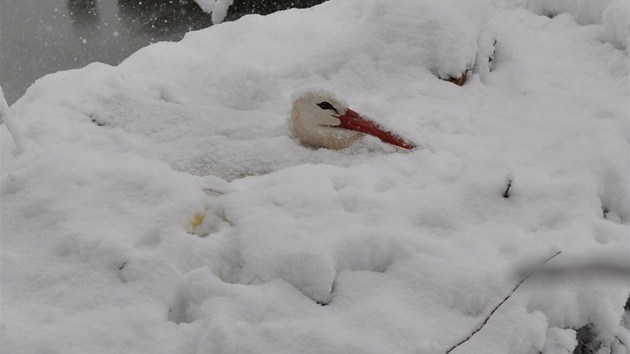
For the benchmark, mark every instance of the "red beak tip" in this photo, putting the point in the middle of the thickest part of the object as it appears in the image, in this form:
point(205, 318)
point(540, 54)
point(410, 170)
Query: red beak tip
point(354, 121)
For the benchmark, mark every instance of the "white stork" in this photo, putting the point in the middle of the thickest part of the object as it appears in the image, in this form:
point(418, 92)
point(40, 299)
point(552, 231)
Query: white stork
point(320, 120)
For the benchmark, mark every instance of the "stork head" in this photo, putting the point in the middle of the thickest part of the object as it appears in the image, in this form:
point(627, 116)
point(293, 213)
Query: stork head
point(319, 119)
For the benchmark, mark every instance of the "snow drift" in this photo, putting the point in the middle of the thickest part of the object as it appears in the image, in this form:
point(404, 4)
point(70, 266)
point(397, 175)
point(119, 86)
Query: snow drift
point(162, 206)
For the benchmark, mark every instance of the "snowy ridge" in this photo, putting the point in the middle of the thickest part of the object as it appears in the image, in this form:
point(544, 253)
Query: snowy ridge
point(614, 15)
point(162, 206)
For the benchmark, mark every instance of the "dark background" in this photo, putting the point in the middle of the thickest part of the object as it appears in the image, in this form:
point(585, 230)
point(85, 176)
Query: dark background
point(38, 37)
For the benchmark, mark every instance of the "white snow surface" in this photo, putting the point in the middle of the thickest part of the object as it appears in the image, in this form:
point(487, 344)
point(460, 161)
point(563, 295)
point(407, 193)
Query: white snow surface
point(613, 14)
point(161, 206)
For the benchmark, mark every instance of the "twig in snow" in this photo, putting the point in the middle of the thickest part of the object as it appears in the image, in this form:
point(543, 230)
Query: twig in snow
point(622, 343)
point(209, 190)
point(251, 281)
point(499, 305)
point(506, 194)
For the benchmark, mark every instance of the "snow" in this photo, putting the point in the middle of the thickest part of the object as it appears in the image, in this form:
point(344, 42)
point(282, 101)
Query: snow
point(218, 8)
point(616, 20)
point(613, 14)
point(162, 206)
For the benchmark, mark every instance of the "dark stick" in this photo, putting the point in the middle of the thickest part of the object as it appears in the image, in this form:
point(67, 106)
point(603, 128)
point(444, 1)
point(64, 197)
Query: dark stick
point(499, 305)
point(622, 343)
point(506, 194)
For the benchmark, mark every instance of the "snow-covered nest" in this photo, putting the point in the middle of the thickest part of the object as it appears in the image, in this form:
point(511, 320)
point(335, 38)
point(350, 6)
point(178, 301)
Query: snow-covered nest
point(161, 206)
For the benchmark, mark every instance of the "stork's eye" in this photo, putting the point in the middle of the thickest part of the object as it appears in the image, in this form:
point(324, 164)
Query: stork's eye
point(326, 105)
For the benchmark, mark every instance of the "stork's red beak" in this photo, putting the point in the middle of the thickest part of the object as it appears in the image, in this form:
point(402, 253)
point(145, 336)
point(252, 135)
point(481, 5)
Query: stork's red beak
point(353, 121)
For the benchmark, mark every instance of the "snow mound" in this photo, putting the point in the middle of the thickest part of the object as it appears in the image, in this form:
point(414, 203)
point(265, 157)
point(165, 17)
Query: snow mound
point(161, 205)
point(616, 20)
point(614, 15)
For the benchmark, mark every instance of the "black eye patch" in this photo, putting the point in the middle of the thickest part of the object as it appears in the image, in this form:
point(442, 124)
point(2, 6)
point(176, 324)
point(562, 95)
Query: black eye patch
point(326, 105)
